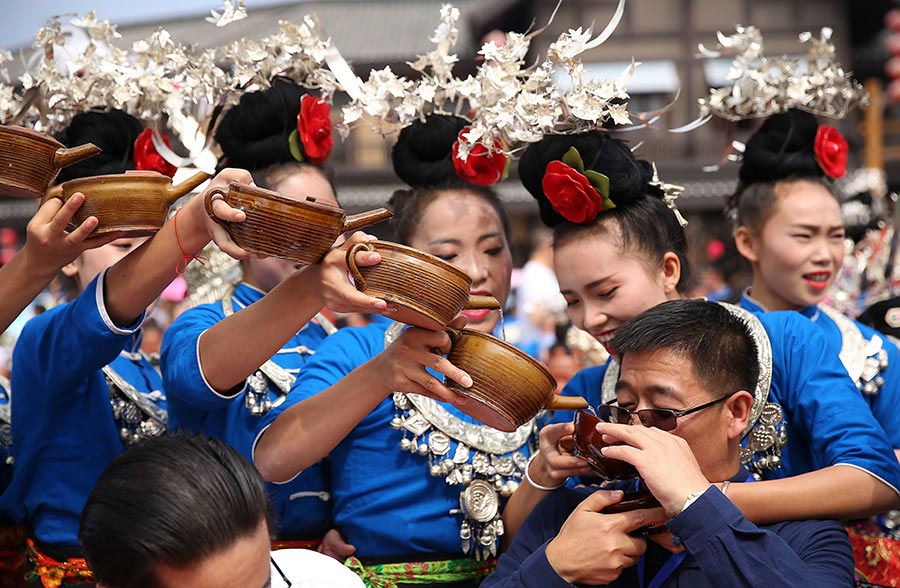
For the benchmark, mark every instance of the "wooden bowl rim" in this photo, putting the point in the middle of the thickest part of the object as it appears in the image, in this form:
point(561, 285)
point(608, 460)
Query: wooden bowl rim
point(517, 352)
point(31, 134)
point(256, 191)
point(109, 180)
point(423, 256)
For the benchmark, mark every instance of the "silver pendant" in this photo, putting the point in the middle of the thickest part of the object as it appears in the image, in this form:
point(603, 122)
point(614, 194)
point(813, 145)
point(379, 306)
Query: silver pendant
point(416, 424)
point(461, 455)
point(480, 501)
point(439, 443)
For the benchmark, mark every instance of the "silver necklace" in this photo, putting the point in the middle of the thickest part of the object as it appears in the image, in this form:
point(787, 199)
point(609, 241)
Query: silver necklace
point(864, 359)
point(487, 465)
point(137, 416)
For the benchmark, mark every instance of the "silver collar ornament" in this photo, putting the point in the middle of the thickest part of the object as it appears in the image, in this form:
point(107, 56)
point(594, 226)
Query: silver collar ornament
point(487, 465)
point(864, 359)
point(136, 415)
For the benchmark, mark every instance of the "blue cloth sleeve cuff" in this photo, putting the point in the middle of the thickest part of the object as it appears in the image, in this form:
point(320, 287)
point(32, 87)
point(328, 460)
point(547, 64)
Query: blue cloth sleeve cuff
point(704, 519)
point(536, 571)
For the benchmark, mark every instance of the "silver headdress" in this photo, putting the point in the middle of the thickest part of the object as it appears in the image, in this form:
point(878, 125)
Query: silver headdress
point(156, 79)
point(507, 103)
point(760, 86)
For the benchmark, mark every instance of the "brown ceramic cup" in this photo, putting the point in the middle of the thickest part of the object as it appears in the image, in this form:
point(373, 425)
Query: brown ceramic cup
point(30, 161)
point(278, 226)
point(135, 203)
point(588, 443)
point(425, 290)
point(509, 387)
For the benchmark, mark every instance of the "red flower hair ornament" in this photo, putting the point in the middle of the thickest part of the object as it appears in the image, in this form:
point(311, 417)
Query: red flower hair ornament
point(312, 141)
point(578, 195)
point(481, 167)
point(831, 149)
point(146, 157)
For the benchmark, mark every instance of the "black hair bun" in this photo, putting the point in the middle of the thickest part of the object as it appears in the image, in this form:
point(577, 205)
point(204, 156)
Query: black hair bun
point(423, 154)
point(629, 177)
point(113, 131)
point(782, 148)
point(254, 133)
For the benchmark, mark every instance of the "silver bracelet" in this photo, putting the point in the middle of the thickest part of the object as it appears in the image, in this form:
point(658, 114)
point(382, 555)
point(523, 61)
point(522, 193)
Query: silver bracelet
point(535, 484)
point(725, 487)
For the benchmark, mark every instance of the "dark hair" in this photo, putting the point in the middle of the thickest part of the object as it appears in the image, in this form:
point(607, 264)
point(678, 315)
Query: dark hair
point(781, 150)
point(643, 222)
point(423, 158)
point(113, 131)
point(254, 135)
point(717, 342)
point(172, 500)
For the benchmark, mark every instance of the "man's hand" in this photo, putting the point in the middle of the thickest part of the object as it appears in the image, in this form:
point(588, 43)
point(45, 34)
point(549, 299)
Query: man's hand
point(593, 548)
point(665, 462)
point(553, 464)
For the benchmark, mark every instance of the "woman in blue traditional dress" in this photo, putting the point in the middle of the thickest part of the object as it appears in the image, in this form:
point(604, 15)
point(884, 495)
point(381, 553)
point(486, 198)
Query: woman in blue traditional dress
point(418, 485)
point(85, 389)
point(225, 364)
point(619, 250)
point(788, 225)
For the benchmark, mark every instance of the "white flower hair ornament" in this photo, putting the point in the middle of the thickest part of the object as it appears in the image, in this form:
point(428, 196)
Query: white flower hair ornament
point(507, 103)
point(759, 87)
point(158, 80)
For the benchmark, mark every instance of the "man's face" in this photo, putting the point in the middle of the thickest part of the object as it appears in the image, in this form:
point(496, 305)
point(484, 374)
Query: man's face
point(245, 564)
point(664, 379)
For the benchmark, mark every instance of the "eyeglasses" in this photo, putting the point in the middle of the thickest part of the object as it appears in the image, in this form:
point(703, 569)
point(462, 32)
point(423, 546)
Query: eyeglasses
point(665, 419)
point(287, 582)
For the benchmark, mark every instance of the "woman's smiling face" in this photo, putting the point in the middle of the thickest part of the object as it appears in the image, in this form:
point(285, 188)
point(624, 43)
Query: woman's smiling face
point(605, 286)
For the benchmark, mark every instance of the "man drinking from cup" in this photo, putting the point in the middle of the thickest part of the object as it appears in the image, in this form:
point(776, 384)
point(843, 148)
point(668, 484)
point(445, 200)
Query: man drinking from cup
point(687, 371)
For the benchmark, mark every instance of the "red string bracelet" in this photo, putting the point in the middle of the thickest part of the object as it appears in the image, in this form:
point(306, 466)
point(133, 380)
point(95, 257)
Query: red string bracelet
point(186, 258)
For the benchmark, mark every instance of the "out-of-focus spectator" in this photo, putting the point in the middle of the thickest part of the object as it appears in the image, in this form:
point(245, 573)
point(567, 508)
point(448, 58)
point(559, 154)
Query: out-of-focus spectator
point(721, 277)
point(892, 67)
point(562, 364)
point(539, 305)
point(135, 530)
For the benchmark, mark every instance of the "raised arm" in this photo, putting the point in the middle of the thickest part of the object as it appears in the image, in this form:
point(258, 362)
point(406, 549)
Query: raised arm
point(840, 492)
point(308, 426)
point(48, 247)
point(138, 279)
point(264, 327)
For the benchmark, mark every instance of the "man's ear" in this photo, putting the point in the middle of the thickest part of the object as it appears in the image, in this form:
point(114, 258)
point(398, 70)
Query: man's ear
point(746, 244)
point(739, 407)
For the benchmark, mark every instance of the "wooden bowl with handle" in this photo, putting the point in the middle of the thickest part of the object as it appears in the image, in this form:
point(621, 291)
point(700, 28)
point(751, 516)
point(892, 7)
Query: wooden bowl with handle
point(135, 203)
point(425, 290)
point(30, 161)
point(509, 386)
point(278, 226)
